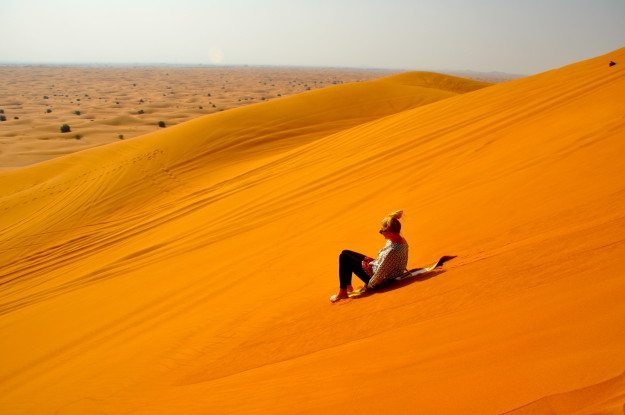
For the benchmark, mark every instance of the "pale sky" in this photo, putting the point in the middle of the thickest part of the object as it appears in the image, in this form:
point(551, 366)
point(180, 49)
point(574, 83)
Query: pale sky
point(515, 36)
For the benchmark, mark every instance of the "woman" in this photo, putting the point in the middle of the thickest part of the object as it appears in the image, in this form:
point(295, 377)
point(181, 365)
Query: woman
point(391, 261)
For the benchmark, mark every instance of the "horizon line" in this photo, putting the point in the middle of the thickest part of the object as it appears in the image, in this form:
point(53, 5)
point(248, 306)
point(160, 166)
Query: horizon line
point(242, 65)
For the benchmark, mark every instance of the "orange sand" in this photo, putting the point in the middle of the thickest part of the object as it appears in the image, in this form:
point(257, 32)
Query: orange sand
point(188, 270)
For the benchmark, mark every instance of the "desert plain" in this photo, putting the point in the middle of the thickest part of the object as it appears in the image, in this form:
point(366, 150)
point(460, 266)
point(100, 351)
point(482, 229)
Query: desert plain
point(187, 269)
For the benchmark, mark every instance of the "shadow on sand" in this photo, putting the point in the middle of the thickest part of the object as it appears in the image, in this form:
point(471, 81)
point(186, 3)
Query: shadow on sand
point(394, 285)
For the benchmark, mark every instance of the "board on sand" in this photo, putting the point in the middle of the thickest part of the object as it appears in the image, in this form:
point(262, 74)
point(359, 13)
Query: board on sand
point(410, 273)
point(419, 271)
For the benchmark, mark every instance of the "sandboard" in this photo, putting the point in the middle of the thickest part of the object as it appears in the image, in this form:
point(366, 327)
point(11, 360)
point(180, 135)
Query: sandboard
point(419, 271)
point(409, 274)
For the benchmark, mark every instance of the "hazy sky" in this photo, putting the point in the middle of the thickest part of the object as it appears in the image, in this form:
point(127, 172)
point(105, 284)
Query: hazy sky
point(523, 36)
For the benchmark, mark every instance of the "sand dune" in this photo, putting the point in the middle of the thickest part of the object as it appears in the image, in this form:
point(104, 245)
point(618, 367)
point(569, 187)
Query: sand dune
point(37, 100)
point(188, 270)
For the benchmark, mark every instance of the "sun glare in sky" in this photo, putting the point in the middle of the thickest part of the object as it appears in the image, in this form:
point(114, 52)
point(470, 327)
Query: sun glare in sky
point(216, 55)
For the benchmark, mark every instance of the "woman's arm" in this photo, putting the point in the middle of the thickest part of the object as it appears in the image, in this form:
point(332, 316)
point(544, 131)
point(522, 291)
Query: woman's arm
point(366, 265)
point(383, 270)
point(392, 265)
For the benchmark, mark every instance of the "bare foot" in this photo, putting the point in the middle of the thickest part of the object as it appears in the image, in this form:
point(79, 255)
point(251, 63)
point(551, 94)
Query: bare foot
point(339, 296)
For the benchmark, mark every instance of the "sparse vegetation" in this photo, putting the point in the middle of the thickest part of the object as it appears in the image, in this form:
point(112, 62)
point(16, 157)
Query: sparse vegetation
point(16, 118)
point(161, 124)
point(120, 136)
point(1, 111)
point(48, 111)
point(65, 128)
point(3, 118)
point(140, 112)
point(46, 97)
point(201, 107)
point(77, 112)
point(141, 101)
point(78, 136)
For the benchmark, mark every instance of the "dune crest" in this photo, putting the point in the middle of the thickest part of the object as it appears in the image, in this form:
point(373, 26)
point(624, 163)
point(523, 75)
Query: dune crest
point(437, 81)
point(188, 271)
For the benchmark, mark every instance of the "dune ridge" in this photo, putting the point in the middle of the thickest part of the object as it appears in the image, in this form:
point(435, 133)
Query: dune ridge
point(37, 100)
point(188, 270)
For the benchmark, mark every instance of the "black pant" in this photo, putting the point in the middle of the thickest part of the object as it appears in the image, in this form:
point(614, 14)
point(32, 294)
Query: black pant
point(351, 262)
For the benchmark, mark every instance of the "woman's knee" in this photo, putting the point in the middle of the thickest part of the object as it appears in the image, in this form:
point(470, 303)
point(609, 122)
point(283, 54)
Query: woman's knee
point(346, 257)
point(343, 256)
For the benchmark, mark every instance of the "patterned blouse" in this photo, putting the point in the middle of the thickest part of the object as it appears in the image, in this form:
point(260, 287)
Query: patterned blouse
point(391, 262)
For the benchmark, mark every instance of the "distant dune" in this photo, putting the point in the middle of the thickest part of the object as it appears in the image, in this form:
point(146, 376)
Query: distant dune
point(493, 76)
point(125, 102)
point(188, 270)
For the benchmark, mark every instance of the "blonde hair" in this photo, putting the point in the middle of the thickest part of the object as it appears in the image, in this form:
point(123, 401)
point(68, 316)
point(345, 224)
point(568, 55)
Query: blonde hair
point(391, 222)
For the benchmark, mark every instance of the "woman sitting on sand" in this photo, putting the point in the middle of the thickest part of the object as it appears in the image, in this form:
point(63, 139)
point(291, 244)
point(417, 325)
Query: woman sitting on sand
point(391, 261)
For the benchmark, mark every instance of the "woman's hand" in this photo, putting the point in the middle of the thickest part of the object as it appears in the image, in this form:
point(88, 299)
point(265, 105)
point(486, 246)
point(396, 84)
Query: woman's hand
point(366, 265)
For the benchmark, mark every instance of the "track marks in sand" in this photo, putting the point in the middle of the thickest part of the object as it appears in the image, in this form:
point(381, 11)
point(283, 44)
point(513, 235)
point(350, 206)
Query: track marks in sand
point(604, 397)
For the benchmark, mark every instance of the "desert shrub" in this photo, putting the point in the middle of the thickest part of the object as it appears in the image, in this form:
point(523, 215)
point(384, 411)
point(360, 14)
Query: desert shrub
point(65, 128)
point(141, 100)
point(3, 118)
point(16, 118)
point(140, 112)
point(48, 111)
point(1, 111)
point(120, 136)
point(77, 112)
point(201, 107)
point(78, 136)
point(46, 97)
point(161, 124)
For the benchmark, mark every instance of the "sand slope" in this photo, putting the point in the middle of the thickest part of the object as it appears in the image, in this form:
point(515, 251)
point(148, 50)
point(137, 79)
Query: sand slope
point(187, 271)
point(124, 102)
